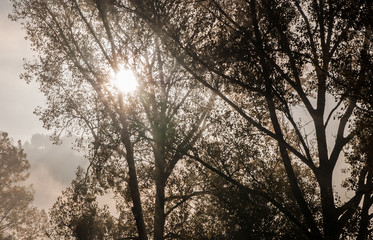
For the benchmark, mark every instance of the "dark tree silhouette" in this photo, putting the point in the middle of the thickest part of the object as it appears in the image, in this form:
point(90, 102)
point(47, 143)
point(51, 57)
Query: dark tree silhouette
point(145, 132)
point(296, 75)
point(305, 63)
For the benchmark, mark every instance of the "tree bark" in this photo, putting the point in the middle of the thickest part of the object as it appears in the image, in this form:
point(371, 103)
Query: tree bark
point(133, 180)
point(135, 195)
point(329, 211)
point(159, 215)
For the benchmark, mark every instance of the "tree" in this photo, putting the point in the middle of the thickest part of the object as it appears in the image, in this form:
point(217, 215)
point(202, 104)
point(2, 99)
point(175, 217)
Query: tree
point(256, 178)
point(126, 134)
point(297, 60)
point(290, 70)
point(76, 214)
point(18, 218)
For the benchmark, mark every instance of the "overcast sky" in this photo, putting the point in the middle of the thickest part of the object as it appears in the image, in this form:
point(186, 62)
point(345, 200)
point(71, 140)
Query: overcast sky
point(17, 99)
point(53, 169)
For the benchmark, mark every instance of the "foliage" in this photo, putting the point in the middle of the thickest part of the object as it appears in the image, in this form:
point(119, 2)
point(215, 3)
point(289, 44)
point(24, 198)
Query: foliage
point(76, 214)
point(134, 141)
point(18, 218)
point(293, 81)
point(304, 64)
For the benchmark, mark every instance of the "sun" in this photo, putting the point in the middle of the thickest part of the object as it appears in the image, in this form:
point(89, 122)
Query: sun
point(125, 80)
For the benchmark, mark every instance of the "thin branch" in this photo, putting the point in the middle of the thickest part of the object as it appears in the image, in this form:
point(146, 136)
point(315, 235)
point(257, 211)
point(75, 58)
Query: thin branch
point(334, 109)
point(254, 192)
point(341, 141)
point(184, 199)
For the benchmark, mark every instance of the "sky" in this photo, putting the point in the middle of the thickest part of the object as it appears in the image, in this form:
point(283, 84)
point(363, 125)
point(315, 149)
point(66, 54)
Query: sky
point(17, 98)
point(53, 168)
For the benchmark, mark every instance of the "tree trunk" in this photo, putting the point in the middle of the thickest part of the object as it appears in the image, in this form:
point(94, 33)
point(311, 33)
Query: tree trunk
point(134, 186)
point(136, 200)
point(364, 221)
point(159, 154)
point(159, 215)
point(367, 203)
point(329, 211)
point(160, 183)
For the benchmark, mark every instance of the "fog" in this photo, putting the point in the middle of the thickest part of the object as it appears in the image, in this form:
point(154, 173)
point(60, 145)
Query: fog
point(52, 167)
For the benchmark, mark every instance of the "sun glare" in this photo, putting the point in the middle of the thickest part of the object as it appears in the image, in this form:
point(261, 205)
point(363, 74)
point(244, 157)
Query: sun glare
point(125, 81)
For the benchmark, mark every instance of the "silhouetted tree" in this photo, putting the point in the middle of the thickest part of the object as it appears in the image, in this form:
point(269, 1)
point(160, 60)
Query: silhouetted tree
point(18, 218)
point(146, 132)
point(294, 73)
point(304, 63)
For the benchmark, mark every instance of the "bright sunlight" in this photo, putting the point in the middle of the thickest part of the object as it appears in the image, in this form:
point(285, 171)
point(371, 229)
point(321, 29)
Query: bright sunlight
point(125, 81)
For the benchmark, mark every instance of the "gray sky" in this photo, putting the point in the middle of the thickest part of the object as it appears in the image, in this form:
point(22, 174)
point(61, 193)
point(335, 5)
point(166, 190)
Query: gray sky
point(53, 168)
point(17, 99)
point(50, 174)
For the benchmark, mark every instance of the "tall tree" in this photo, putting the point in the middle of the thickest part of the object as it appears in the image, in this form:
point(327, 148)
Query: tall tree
point(291, 59)
point(82, 44)
point(291, 70)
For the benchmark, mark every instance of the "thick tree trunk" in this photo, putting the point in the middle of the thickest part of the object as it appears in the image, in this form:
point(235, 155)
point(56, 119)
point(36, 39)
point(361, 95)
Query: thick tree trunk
point(159, 215)
point(324, 173)
point(135, 195)
point(133, 183)
point(159, 154)
point(329, 211)
point(160, 183)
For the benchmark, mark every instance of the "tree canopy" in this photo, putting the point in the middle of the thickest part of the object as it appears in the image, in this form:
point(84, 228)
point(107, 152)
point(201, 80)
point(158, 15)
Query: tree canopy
point(244, 109)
